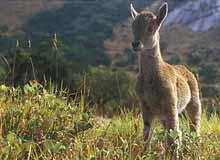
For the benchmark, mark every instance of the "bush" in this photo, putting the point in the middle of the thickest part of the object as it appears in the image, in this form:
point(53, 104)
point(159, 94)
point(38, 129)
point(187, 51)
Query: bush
point(209, 74)
point(108, 89)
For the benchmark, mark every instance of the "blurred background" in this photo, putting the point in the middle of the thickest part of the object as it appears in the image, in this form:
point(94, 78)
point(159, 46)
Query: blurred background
point(87, 44)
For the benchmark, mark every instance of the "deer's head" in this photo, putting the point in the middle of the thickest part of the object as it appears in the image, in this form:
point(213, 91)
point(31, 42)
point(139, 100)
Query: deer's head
point(146, 26)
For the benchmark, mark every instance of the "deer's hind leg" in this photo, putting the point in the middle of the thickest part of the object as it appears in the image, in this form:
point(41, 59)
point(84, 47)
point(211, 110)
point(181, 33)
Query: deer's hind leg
point(194, 113)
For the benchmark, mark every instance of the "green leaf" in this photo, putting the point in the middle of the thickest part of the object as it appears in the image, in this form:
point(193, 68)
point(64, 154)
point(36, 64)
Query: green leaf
point(11, 138)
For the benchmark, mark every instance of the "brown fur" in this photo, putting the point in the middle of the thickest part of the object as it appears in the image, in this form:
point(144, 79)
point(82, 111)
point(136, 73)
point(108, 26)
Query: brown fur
point(165, 90)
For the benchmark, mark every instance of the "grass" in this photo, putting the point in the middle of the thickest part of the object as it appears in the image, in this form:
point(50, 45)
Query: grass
point(35, 124)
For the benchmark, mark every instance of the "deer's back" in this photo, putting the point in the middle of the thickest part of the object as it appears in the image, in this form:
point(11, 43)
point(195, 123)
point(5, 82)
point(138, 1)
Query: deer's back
point(190, 78)
point(172, 83)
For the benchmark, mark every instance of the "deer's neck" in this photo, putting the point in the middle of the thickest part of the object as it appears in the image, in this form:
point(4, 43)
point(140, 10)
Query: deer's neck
point(150, 62)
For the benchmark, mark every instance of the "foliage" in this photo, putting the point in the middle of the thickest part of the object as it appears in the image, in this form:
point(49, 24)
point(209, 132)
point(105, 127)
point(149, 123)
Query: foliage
point(42, 63)
point(175, 59)
point(104, 86)
point(206, 65)
point(209, 73)
point(34, 121)
point(83, 26)
point(108, 88)
point(3, 28)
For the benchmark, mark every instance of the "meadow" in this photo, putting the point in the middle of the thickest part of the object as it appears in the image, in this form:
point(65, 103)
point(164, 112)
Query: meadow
point(40, 123)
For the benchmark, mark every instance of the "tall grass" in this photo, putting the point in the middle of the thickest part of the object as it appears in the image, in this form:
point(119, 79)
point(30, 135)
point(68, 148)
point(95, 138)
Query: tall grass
point(36, 123)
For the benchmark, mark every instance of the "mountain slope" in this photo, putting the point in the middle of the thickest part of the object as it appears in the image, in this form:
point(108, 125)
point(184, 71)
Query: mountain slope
point(199, 15)
point(82, 25)
point(15, 13)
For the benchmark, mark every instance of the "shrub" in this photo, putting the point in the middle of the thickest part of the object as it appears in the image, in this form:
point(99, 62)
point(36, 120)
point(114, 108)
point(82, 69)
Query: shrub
point(108, 88)
point(209, 74)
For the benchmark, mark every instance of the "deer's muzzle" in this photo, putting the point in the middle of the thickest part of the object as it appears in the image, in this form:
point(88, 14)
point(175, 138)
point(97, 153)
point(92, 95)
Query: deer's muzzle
point(137, 45)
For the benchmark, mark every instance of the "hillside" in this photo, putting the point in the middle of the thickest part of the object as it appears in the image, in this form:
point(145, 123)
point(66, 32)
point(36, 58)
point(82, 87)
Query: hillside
point(15, 13)
point(198, 15)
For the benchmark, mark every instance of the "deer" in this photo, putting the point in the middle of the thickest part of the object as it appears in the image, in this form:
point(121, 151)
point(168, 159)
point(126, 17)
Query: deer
point(164, 90)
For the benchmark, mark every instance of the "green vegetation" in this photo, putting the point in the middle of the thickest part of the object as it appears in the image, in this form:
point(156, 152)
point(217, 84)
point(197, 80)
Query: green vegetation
point(103, 87)
point(86, 109)
point(108, 90)
point(38, 123)
point(35, 122)
point(83, 26)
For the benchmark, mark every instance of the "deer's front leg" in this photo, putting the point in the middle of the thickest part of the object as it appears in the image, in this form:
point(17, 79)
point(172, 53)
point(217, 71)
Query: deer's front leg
point(172, 126)
point(147, 119)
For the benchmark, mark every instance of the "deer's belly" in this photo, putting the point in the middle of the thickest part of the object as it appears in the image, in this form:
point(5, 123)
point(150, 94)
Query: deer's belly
point(183, 94)
point(153, 96)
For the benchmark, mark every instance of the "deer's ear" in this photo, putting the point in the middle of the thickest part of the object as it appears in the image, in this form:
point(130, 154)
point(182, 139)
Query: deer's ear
point(134, 13)
point(162, 14)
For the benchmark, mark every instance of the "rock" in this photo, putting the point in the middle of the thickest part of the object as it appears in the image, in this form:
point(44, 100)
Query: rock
point(199, 15)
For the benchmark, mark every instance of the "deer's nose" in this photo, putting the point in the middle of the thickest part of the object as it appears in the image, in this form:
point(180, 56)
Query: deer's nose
point(136, 44)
